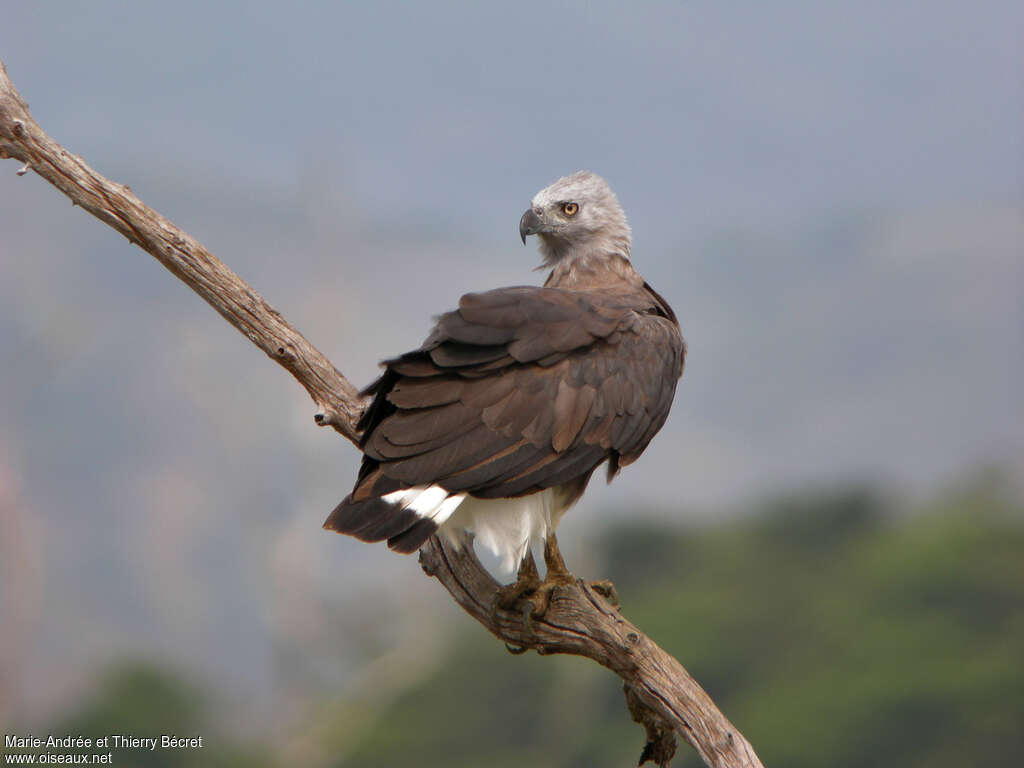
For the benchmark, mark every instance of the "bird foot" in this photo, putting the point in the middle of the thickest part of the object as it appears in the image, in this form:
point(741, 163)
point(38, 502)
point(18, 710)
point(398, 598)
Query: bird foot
point(531, 599)
point(533, 596)
point(509, 596)
point(605, 589)
point(540, 597)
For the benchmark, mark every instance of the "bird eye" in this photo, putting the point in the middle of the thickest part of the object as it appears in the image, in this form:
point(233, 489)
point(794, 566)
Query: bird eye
point(570, 209)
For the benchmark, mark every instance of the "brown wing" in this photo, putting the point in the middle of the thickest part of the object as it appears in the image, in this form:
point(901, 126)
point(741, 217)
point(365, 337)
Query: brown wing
point(522, 389)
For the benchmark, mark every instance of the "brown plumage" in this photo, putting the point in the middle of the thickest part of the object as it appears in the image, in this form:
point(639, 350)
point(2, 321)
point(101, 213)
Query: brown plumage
point(517, 391)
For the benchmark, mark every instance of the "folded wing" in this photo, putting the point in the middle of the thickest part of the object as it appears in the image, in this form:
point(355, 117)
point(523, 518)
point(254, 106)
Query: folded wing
point(518, 390)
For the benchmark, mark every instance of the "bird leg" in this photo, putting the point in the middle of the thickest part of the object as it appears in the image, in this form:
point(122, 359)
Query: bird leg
point(556, 570)
point(559, 574)
point(527, 581)
point(511, 595)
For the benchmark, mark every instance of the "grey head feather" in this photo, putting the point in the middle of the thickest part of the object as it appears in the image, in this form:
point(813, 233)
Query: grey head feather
point(578, 220)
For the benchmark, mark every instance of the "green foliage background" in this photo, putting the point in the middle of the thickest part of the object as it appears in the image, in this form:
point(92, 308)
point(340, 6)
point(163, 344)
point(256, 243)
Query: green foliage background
point(835, 630)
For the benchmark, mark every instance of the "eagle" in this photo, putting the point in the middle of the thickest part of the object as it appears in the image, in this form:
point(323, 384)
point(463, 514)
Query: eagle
point(494, 426)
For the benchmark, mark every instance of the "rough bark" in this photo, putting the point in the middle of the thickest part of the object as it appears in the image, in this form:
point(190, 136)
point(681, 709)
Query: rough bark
point(660, 693)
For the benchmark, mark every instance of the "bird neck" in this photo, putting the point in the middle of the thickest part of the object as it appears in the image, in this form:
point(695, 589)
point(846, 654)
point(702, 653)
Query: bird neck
point(599, 260)
point(593, 270)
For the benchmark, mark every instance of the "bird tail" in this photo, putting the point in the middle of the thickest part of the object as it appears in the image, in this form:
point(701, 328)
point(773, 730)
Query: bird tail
point(405, 518)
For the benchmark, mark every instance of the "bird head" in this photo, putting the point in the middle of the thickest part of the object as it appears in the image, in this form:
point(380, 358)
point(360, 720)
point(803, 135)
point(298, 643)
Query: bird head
point(578, 215)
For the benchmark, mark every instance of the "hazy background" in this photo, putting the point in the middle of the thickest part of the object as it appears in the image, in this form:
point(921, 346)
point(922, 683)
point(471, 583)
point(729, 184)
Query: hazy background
point(830, 197)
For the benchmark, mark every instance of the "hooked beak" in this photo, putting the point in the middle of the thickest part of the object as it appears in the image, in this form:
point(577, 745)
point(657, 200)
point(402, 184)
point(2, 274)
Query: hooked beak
point(530, 224)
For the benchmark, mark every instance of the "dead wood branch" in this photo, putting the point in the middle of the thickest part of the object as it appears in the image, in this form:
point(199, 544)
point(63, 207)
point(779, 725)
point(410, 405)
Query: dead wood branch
point(661, 695)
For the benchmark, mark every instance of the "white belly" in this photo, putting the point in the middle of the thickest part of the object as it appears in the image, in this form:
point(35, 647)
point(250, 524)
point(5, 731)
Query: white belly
point(506, 527)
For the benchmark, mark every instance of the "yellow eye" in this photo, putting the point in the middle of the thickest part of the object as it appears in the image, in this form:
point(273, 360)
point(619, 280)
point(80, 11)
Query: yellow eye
point(570, 209)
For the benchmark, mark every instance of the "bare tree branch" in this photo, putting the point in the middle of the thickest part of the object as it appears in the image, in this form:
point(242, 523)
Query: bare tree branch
point(660, 693)
point(338, 402)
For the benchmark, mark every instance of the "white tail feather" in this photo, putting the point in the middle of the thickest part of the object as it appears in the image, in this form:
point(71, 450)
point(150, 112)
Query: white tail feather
point(429, 502)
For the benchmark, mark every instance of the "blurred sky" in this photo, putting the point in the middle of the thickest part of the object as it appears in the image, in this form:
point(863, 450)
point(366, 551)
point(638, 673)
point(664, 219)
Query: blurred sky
point(830, 196)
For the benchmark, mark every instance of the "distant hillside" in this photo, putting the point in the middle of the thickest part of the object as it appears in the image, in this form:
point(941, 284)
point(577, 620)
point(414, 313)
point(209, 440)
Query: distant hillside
point(837, 630)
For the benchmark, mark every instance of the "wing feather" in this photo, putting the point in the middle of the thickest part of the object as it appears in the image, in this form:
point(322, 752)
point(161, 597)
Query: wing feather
point(411, 393)
point(408, 427)
point(522, 389)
